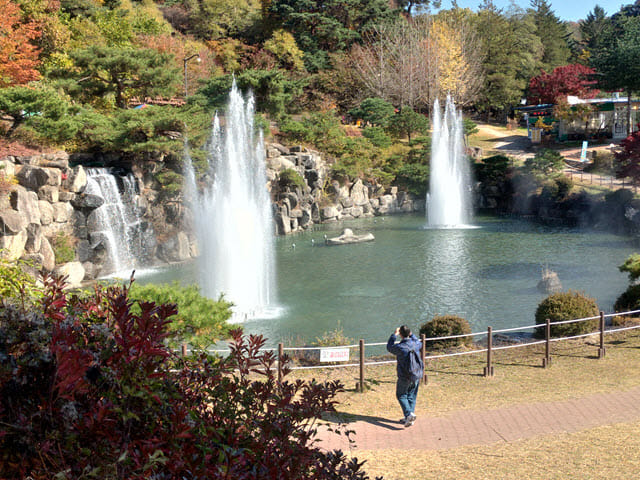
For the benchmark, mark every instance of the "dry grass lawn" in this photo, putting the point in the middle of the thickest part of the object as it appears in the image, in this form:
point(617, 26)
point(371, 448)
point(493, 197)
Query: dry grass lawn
point(609, 452)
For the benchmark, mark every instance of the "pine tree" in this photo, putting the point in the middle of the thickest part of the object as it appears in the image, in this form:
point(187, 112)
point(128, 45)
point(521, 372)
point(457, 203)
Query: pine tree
point(552, 33)
point(511, 53)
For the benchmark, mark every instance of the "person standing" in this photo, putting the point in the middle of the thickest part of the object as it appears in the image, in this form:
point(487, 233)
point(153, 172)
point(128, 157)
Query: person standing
point(410, 368)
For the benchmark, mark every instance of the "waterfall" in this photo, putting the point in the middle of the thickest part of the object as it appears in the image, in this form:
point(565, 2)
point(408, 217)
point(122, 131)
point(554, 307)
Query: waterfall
point(116, 223)
point(233, 215)
point(448, 200)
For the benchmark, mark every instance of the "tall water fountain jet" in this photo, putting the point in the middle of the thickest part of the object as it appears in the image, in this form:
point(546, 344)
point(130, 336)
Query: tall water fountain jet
point(232, 216)
point(448, 200)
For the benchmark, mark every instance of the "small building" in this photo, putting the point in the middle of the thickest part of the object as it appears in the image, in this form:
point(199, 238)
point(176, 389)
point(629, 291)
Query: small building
point(608, 118)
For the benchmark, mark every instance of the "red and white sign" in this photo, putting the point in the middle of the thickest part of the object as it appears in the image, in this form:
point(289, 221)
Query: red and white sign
point(334, 355)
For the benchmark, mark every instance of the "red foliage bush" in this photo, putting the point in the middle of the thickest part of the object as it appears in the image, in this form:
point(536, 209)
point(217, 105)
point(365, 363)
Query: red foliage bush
point(89, 389)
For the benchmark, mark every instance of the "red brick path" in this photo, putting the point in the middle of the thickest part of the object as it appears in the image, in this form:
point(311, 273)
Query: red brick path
point(472, 427)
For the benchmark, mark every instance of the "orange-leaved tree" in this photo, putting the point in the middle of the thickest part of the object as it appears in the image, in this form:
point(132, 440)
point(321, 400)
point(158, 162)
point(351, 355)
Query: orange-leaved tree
point(18, 53)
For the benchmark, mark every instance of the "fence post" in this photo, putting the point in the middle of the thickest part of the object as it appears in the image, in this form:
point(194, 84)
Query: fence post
point(184, 349)
point(488, 370)
point(601, 350)
point(280, 355)
point(361, 382)
point(423, 354)
point(546, 361)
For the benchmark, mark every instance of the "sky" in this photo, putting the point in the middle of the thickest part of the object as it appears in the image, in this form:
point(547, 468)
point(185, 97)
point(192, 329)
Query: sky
point(571, 10)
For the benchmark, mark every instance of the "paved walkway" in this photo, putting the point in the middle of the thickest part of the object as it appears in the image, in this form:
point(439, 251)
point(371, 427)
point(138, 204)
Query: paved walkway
point(474, 427)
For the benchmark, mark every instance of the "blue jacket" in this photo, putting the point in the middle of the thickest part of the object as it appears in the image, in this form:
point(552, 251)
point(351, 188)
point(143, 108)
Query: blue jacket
point(401, 351)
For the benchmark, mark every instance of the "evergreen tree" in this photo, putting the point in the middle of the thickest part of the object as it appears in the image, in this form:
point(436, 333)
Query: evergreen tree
point(511, 53)
point(552, 33)
point(593, 28)
point(124, 72)
point(616, 57)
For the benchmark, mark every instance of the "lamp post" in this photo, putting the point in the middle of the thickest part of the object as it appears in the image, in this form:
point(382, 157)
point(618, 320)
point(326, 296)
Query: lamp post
point(185, 60)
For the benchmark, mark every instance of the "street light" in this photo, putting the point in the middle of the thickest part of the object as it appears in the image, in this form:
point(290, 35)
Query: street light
point(185, 60)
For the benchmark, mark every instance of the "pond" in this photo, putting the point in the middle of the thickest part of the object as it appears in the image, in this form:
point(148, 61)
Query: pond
point(487, 274)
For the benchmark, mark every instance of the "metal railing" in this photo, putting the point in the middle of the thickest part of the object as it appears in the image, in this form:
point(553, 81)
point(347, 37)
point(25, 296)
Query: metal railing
point(489, 350)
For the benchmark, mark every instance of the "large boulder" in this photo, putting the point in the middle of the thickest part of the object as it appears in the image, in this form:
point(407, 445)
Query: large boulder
point(34, 238)
point(74, 271)
point(62, 211)
point(26, 203)
point(12, 222)
point(13, 245)
point(46, 212)
point(359, 193)
point(48, 255)
point(7, 167)
point(176, 248)
point(329, 213)
point(35, 177)
point(87, 200)
point(49, 193)
point(76, 180)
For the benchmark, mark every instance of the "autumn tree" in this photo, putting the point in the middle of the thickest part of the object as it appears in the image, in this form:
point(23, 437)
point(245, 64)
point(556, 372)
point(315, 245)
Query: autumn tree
point(573, 79)
point(413, 63)
point(323, 26)
point(457, 56)
point(629, 158)
point(18, 51)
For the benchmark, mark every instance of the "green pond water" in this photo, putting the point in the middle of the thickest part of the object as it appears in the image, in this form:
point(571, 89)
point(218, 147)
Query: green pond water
point(487, 274)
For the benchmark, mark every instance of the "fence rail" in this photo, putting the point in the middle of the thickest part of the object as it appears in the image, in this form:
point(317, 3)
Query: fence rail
point(490, 333)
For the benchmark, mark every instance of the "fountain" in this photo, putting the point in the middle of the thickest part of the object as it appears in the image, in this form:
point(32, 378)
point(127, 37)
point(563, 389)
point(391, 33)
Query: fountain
point(448, 202)
point(232, 216)
point(116, 223)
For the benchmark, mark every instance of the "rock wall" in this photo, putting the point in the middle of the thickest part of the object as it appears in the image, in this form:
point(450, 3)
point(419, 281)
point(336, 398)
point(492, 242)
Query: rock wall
point(48, 199)
point(320, 201)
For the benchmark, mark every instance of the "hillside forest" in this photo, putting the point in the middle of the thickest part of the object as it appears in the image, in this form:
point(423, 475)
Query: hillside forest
point(355, 79)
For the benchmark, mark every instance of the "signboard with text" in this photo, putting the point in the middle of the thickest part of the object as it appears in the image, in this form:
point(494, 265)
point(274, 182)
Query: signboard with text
point(334, 355)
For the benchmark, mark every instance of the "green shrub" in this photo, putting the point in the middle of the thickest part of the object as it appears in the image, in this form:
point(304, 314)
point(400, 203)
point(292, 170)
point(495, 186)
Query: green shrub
point(200, 321)
point(377, 137)
point(444, 326)
point(628, 300)
point(16, 285)
point(332, 338)
point(63, 248)
point(545, 162)
point(170, 182)
point(414, 177)
point(564, 186)
point(567, 306)
point(291, 179)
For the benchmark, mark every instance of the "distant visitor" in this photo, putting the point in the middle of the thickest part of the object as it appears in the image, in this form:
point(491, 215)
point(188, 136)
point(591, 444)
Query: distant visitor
point(410, 369)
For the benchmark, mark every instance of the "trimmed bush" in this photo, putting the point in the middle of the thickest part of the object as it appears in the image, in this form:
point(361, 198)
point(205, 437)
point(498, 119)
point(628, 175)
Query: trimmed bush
point(628, 300)
point(569, 305)
point(444, 326)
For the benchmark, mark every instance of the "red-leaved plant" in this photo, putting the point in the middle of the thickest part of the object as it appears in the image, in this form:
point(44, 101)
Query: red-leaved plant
point(89, 389)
